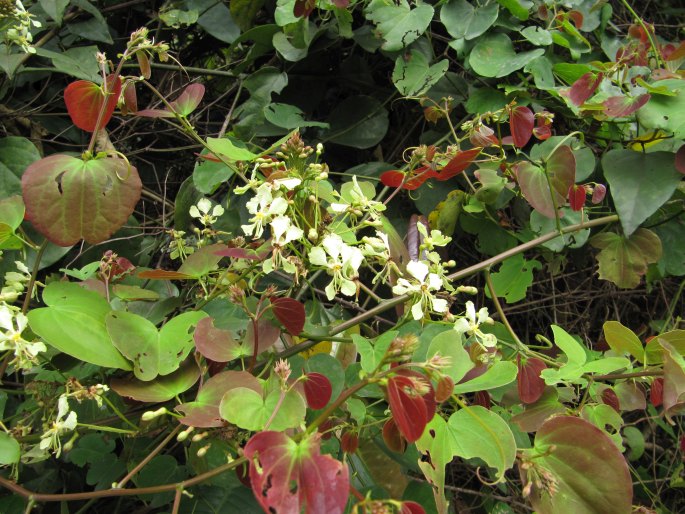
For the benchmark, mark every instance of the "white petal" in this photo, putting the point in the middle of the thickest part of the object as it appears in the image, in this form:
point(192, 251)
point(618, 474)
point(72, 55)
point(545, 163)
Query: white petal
point(278, 206)
point(483, 315)
point(417, 311)
point(204, 205)
point(330, 290)
point(293, 234)
point(6, 318)
point(471, 311)
point(317, 256)
point(279, 225)
point(348, 288)
point(439, 305)
point(462, 325)
point(434, 281)
point(194, 212)
point(288, 183)
point(333, 244)
point(417, 269)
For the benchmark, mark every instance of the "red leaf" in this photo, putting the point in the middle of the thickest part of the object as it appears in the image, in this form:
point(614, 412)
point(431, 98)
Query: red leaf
point(458, 163)
point(444, 389)
point(576, 197)
point(393, 438)
point(521, 123)
point(130, 98)
point(303, 8)
point(407, 406)
point(396, 178)
point(290, 312)
point(349, 442)
point(584, 88)
point(620, 106)
point(317, 390)
point(161, 274)
point(610, 398)
point(598, 193)
point(214, 343)
point(673, 54)
point(410, 507)
point(680, 159)
point(656, 395)
point(84, 99)
point(288, 476)
point(341, 4)
point(530, 385)
point(484, 137)
point(576, 17)
point(482, 398)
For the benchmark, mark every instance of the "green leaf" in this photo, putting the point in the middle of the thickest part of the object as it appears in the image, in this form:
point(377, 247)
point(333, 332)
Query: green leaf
point(16, 154)
point(463, 20)
point(11, 216)
point(91, 448)
point(54, 8)
point(543, 225)
point(230, 148)
point(203, 261)
point(218, 22)
point(477, 432)
point(208, 175)
point(514, 277)
point(674, 380)
point(249, 410)
point(10, 451)
point(499, 374)
point(575, 358)
point(671, 234)
point(370, 353)
point(634, 197)
point(666, 112)
point(622, 260)
point(519, 8)
point(413, 76)
point(622, 340)
point(605, 365)
point(359, 122)
point(588, 470)
point(494, 56)
point(397, 23)
point(537, 35)
point(161, 389)
point(436, 442)
point(80, 62)
point(245, 11)
point(74, 323)
point(448, 344)
point(68, 199)
point(288, 116)
point(153, 353)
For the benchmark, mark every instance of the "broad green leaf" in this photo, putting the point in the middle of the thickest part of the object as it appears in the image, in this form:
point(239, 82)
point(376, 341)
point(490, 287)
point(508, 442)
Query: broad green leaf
point(605, 365)
point(623, 340)
point(519, 8)
point(74, 323)
point(54, 8)
point(249, 410)
point(654, 351)
point(202, 261)
point(448, 344)
point(463, 20)
point(413, 76)
point(208, 175)
point(634, 197)
point(359, 122)
point(671, 234)
point(397, 23)
point(514, 277)
point(16, 154)
point(288, 116)
point(245, 11)
point(372, 353)
point(80, 62)
point(153, 352)
point(664, 111)
point(589, 472)
point(480, 433)
point(576, 357)
point(494, 56)
point(624, 261)
point(436, 441)
point(605, 418)
point(10, 451)
point(232, 149)
point(499, 374)
point(218, 22)
point(161, 389)
point(11, 216)
point(537, 35)
point(543, 225)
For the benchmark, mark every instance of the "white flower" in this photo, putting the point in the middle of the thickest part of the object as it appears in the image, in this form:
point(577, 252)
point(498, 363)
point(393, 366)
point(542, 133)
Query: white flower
point(282, 233)
point(51, 438)
point(470, 324)
point(264, 207)
point(202, 211)
point(12, 324)
point(342, 261)
point(355, 201)
point(421, 288)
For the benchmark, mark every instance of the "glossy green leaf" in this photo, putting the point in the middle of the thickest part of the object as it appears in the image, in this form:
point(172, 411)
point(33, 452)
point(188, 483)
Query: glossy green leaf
point(606, 365)
point(494, 56)
point(161, 389)
point(634, 197)
point(397, 23)
point(464, 20)
point(624, 261)
point(499, 374)
point(477, 432)
point(74, 323)
point(448, 344)
point(413, 75)
point(623, 340)
point(16, 154)
point(589, 472)
point(359, 122)
point(153, 352)
point(576, 357)
point(514, 277)
point(519, 8)
point(249, 410)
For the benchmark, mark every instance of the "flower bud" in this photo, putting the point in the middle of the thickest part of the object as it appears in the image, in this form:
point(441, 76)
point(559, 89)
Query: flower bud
point(184, 435)
point(203, 451)
point(313, 235)
point(150, 415)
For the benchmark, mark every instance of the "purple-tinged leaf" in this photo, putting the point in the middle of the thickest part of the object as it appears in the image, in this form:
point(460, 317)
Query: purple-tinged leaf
point(290, 313)
point(161, 389)
point(530, 384)
point(680, 160)
point(621, 106)
point(214, 343)
point(521, 123)
point(188, 101)
point(84, 100)
point(317, 390)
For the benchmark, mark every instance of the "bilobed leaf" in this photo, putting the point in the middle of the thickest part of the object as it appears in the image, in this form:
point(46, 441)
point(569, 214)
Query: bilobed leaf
point(250, 410)
point(477, 432)
point(499, 374)
point(188, 101)
point(530, 384)
point(359, 122)
point(292, 476)
point(317, 390)
point(521, 123)
point(639, 183)
point(288, 117)
point(519, 8)
point(397, 23)
point(68, 199)
point(590, 474)
point(624, 261)
point(84, 100)
point(413, 75)
point(161, 389)
point(153, 352)
point(204, 411)
point(372, 353)
point(290, 313)
point(214, 343)
point(494, 56)
point(16, 154)
point(623, 340)
point(202, 261)
point(74, 323)
point(464, 20)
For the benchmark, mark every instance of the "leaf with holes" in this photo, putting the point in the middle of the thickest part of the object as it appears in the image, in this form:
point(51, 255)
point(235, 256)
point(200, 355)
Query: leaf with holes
point(290, 312)
point(292, 476)
point(153, 352)
point(413, 75)
point(68, 199)
point(530, 384)
point(521, 123)
point(85, 99)
point(397, 23)
point(621, 106)
point(624, 261)
point(587, 469)
point(318, 390)
point(204, 411)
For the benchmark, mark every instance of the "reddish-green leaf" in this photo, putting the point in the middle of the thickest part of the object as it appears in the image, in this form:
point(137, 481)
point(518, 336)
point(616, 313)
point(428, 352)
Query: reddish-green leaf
point(69, 199)
point(289, 476)
point(317, 390)
point(161, 274)
point(458, 163)
point(620, 106)
point(521, 123)
point(396, 178)
point(656, 394)
point(584, 88)
point(241, 253)
point(214, 343)
point(188, 101)
point(576, 197)
point(585, 470)
point(84, 100)
point(303, 8)
point(674, 380)
point(610, 398)
point(530, 384)
point(290, 312)
point(393, 438)
point(130, 98)
point(407, 406)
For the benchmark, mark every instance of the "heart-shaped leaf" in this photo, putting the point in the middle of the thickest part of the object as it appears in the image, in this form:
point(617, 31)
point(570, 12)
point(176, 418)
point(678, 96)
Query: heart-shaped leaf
point(587, 472)
point(576, 197)
point(217, 344)
point(290, 312)
point(521, 123)
point(624, 261)
point(74, 323)
point(584, 88)
point(291, 476)
point(318, 390)
point(407, 406)
point(250, 410)
point(153, 352)
point(11, 215)
point(68, 199)
point(530, 384)
point(188, 101)
point(162, 389)
point(85, 99)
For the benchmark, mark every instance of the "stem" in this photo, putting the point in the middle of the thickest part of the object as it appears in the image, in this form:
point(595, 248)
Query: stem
point(34, 274)
point(337, 403)
point(500, 311)
point(177, 500)
point(118, 413)
point(642, 24)
point(255, 351)
point(149, 457)
point(636, 374)
point(102, 428)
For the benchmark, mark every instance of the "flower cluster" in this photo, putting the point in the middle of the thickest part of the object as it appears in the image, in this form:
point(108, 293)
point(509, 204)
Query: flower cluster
point(15, 25)
point(12, 325)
